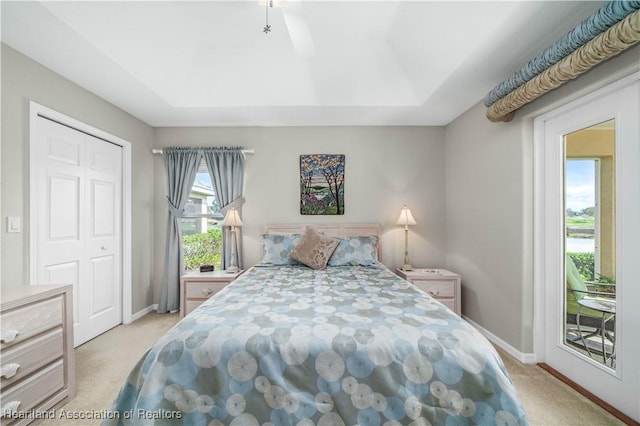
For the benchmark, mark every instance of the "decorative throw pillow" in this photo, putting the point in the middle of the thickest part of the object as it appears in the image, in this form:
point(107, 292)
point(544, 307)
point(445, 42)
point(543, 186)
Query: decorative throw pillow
point(358, 251)
point(277, 249)
point(314, 249)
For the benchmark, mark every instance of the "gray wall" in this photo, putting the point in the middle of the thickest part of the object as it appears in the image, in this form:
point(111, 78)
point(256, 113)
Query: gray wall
point(386, 167)
point(25, 80)
point(469, 186)
point(489, 179)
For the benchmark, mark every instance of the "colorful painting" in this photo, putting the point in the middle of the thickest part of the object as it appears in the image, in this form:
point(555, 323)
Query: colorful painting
point(322, 184)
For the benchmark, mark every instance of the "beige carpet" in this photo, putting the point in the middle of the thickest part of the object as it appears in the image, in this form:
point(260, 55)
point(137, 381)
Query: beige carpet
point(548, 401)
point(103, 363)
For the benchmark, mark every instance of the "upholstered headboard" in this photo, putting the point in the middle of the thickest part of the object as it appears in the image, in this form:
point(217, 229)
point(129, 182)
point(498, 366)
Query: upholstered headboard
point(332, 229)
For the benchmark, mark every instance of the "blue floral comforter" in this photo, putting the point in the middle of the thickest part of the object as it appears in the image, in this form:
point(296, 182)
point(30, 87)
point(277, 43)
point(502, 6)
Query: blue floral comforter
point(347, 345)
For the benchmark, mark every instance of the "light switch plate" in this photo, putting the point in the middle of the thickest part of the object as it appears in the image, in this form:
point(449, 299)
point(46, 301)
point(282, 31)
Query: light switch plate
point(14, 224)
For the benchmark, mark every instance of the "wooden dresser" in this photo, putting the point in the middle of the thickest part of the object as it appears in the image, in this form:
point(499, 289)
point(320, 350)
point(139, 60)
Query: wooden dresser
point(37, 357)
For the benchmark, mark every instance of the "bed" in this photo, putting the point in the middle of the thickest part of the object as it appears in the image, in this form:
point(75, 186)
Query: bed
point(350, 343)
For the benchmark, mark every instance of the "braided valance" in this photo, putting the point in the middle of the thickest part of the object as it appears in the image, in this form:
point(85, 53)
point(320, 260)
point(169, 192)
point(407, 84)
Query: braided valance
point(617, 38)
point(607, 16)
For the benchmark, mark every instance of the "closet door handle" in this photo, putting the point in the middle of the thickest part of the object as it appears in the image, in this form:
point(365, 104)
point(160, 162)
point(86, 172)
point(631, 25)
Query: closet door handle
point(9, 370)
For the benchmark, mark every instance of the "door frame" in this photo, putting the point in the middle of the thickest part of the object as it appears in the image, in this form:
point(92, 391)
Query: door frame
point(36, 110)
point(543, 224)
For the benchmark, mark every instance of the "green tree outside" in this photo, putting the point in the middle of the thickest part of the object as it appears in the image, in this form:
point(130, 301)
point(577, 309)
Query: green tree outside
point(202, 249)
point(585, 263)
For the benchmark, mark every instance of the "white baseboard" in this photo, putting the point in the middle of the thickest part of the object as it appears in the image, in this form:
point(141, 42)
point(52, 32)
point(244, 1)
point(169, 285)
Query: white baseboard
point(144, 312)
point(525, 358)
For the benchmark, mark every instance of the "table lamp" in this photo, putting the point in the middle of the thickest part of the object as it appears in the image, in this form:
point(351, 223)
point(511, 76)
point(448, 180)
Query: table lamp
point(406, 219)
point(232, 219)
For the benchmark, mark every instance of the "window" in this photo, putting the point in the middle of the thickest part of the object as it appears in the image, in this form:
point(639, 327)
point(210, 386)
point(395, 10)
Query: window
point(201, 230)
point(581, 205)
point(589, 190)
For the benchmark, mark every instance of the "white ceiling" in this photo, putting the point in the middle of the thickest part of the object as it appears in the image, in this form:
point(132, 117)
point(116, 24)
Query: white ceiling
point(208, 63)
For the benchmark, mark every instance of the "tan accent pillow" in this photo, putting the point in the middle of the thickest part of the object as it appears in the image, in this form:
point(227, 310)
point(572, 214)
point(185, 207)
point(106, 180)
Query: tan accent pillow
point(314, 249)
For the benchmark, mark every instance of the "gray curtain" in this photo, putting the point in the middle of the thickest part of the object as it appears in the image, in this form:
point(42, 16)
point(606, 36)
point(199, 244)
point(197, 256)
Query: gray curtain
point(181, 165)
point(226, 167)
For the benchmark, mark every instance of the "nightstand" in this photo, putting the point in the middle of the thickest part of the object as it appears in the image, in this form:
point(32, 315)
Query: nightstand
point(196, 287)
point(439, 283)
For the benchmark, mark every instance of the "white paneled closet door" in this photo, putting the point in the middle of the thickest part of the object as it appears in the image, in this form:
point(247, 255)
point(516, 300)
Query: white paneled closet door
point(77, 235)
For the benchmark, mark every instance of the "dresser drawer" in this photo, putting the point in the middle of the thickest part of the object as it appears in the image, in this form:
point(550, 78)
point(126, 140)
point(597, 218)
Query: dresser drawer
point(449, 303)
point(196, 287)
point(203, 290)
point(438, 283)
point(437, 289)
point(190, 305)
point(23, 358)
point(35, 389)
point(20, 324)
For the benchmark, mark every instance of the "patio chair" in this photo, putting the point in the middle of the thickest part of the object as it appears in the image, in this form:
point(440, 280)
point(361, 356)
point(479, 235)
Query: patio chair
point(592, 311)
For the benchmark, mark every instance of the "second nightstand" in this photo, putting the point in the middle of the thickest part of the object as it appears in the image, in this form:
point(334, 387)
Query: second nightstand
point(439, 283)
point(196, 287)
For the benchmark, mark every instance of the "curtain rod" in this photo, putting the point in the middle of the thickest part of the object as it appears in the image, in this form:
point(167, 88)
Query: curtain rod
point(244, 151)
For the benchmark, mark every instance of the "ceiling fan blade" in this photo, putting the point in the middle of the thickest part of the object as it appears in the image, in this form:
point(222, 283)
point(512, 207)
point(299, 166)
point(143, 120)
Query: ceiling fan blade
point(298, 30)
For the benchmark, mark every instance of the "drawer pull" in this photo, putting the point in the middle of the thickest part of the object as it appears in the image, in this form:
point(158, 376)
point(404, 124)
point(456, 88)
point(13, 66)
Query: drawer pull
point(207, 291)
point(434, 292)
point(10, 409)
point(9, 370)
point(9, 336)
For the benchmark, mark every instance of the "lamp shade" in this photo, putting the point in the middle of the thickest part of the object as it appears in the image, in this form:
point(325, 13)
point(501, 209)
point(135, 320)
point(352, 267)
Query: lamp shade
point(232, 218)
point(406, 218)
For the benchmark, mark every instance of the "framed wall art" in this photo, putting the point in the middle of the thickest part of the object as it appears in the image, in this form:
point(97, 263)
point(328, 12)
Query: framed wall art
point(322, 184)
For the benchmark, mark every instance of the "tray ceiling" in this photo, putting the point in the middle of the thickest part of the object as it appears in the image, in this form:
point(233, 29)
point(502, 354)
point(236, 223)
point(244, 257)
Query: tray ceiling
point(209, 63)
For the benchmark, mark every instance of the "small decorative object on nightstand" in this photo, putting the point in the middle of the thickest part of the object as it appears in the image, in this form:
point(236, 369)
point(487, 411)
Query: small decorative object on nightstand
point(207, 268)
point(196, 287)
point(439, 283)
point(406, 219)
